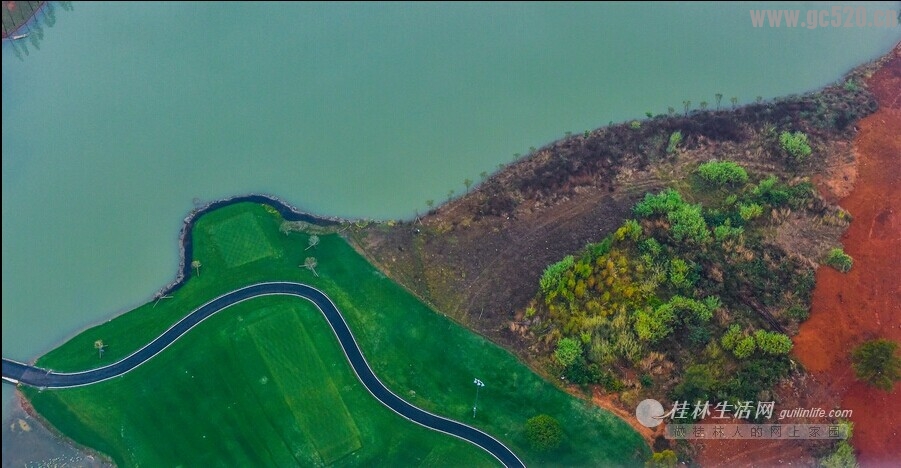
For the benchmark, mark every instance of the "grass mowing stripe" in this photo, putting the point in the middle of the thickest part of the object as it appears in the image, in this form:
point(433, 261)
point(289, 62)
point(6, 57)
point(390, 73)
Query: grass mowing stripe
point(244, 400)
point(275, 409)
point(240, 240)
point(304, 382)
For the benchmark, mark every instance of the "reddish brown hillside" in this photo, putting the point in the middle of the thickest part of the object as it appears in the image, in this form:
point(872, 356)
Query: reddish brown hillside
point(865, 303)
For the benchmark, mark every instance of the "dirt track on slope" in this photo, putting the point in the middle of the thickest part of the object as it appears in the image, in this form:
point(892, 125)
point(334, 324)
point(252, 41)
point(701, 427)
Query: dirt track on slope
point(865, 303)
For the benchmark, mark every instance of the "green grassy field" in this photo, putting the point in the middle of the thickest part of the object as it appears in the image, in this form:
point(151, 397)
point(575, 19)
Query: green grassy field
point(212, 408)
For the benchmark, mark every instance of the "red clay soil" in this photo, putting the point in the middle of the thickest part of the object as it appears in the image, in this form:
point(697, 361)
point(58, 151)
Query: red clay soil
point(848, 308)
point(865, 303)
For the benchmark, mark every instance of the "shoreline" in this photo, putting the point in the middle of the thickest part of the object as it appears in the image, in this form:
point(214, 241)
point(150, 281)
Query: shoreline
point(185, 245)
point(185, 250)
point(55, 441)
point(289, 212)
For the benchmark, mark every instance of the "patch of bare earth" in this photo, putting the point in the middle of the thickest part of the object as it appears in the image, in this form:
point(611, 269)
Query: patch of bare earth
point(27, 441)
point(866, 302)
point(478, 258)
point(847, 308)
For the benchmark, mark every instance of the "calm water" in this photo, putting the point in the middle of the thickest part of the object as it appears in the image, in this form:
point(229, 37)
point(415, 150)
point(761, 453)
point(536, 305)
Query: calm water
point(128, 113)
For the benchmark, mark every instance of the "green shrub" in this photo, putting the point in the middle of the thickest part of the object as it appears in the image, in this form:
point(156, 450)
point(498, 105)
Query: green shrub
point(650, 246)
point(687, 223)
point(646, 380)
point(749, 212)
point(726, 231)
point(654, 325)
point(754, 375)
point(877, 363)
point(568, 351)
point(583, 373)
point(773, 343)
point(698, 335)
point(680, 274)
point(745, 347)
point(839, 260)
point(770, 191)
point(543, 432)
point(796, 145)
point(688, 309)
point(674, 140)
point(663, 459)
point(720, 173)
point(699, 383)
point(552, 277)
point(730, 339)
point(797, 313)
point(629, 230)
point(842, 457)
point(662, 203)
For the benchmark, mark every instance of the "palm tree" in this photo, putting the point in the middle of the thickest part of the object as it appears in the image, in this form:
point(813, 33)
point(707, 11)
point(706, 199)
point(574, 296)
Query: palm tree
point(468, 183)
point(734, 101)
point(98, 345)
point(314, 241)
point(450, 194)
point(310, 264)
point(196, 266)
point(703, 105)
point(430, 203)
point(687, 105)
point(483, 175)
point(671, 111)
point(719, 97)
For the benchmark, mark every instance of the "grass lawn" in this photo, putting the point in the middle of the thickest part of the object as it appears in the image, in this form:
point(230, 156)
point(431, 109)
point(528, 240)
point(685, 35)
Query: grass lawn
point(249, 385)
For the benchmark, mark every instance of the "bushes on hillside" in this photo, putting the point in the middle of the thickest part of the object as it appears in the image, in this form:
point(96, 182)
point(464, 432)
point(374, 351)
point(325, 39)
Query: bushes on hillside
point(772, 343)
point(553, 275)
point(796, 145)
point(644, 298)
point(687, 223)
point(839, 260)
point(661, 203)
point(720, 173)
point(568, 351)
point(876, 362)
point(674, 139)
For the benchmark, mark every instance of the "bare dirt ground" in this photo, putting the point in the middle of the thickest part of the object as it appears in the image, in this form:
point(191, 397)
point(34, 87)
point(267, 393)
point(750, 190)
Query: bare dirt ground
point(481, 271)
point(865, 303)
point(27, 442)
point(478, 258)
point(848, 308)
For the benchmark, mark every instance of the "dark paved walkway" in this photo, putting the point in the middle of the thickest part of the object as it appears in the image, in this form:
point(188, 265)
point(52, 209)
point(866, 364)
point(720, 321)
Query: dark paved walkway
point(18, 373)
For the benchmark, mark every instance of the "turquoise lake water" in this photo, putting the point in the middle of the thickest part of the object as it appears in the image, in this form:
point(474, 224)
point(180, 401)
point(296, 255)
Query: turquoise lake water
point(128, 113)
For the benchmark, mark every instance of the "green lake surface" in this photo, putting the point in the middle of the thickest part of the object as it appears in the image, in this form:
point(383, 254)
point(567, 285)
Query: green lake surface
point(129, 114)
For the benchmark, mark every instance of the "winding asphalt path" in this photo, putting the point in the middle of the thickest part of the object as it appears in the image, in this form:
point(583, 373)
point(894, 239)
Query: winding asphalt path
point(19, 373)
